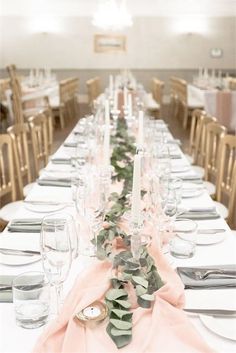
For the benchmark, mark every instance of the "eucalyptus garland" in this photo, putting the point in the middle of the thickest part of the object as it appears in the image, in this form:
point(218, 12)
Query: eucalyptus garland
point(142, 273)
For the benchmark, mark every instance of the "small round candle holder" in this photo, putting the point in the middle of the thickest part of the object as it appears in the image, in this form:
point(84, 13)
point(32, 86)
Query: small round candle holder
point(93, 314)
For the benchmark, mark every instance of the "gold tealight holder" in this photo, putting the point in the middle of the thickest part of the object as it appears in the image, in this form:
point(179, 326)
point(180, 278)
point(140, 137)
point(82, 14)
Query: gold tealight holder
point(93, 313)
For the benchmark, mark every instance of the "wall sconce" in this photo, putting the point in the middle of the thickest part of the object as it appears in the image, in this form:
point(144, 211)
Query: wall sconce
point(44, 24)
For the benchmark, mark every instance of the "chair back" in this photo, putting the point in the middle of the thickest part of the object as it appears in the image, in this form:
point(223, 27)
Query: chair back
point(7, 177)
point(194, 130)
point(227, 161)
point(39, 138)
point(232, 83)
point(19, 137)
point(158, 92)
point(200, 147)
point(93, 89)
point(214, 133)
point(232, 202)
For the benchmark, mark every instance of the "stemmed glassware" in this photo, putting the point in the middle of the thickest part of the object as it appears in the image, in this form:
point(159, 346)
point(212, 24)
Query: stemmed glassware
point(55, 245)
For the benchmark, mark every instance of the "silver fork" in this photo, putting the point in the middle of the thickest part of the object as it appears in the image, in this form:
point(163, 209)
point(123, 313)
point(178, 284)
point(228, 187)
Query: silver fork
point(227, 274)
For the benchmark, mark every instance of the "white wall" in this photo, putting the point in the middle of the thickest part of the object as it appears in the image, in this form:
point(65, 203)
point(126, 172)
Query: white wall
point(152, 43)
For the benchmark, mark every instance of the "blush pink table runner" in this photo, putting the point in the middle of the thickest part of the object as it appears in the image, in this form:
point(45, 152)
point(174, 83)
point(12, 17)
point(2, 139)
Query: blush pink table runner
point(164, 328)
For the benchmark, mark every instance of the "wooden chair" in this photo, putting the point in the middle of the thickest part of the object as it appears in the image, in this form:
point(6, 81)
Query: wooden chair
point(7, 184)
point(158, 92)
point(232, 202)
point(19, 102)
point(18, 134)
point(225, 185)
point(7, 178)
point(39, 138)
point(93, 89)
point(214, 134)
point(185, 104)
point(173, 97)
point(232, 83)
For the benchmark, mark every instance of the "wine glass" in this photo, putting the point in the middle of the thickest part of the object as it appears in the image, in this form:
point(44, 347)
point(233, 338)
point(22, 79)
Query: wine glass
point(170, 204)
point(90, 207)
point(55, 247)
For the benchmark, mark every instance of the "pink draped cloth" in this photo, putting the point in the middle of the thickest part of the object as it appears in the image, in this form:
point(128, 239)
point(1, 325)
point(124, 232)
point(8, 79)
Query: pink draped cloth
point(164, 328)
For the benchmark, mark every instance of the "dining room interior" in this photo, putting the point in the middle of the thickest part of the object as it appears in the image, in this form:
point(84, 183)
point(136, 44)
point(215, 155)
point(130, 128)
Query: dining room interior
point(117, 176)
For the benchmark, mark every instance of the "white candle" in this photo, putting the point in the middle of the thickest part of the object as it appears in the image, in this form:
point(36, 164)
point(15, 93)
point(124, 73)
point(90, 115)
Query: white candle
point(130, 104)
point(125, 97)
point(140, 129)
point(107, 113)
point(92, 312)
point(136, 190)
point(106, 146)
point(111, 84)
point(116, 92)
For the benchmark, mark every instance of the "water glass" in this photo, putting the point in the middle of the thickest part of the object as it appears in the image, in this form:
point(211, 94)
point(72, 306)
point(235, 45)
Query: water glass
point(55, 246)
point(31, 298)
point(183, 244)
point(176, 184)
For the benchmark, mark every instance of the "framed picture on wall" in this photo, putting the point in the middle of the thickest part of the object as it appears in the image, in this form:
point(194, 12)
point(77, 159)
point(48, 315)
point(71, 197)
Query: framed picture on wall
point(109, 43)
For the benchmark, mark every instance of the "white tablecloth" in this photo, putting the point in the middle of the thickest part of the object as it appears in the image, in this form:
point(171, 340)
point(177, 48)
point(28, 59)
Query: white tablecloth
point(14, 339)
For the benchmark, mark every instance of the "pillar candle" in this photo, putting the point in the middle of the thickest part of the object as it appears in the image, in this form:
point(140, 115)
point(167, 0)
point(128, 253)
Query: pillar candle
point(116, 93)
point(125, 97)
point(130, 104)
point(140, 129)
point(106, 146)
point(107, 113)
point(136, 190)
point(111, 84)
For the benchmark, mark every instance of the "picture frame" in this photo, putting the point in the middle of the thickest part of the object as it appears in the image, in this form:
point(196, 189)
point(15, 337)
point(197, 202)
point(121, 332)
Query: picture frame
point(109, 43)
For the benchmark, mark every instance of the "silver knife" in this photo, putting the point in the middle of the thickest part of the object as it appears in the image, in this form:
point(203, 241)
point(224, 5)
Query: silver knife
point(51, 203)
point(6, 251)
point(211, 231)
point(213, 312)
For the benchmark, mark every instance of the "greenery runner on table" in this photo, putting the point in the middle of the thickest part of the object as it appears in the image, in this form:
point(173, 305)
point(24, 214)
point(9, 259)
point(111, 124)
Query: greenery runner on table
point(142, 273)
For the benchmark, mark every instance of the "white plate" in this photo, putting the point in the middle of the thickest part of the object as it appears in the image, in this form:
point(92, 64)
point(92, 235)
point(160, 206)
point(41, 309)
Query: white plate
point(208, 239)
point(37, 208)
point(14, 260)
point(192, 193)
point(225, 327)
point(179, 168)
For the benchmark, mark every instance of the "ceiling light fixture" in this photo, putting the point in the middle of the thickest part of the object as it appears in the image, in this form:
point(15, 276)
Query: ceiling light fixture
point(112, 15)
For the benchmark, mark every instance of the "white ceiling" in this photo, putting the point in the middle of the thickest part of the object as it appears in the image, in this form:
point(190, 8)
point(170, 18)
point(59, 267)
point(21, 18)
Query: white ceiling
point(219, 8)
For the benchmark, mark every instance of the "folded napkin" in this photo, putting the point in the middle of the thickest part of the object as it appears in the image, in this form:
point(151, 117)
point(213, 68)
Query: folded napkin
point(169, 329)
point(174, 141)
point(6, 295)
point(199, 215)
point(192, 178)
point(70, 144)
point(190, 277)
point(57, 160)
point(25, 225)
point(63, 182)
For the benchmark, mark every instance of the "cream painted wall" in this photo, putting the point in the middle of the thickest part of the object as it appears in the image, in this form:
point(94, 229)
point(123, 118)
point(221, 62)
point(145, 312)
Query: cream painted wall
point(152, 43)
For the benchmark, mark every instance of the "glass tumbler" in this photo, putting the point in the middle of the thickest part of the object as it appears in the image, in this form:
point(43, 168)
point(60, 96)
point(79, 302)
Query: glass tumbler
point(31, 298)
point(183, 244)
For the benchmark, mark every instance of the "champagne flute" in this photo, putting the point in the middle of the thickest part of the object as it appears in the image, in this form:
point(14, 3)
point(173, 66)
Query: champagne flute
point(56, 253)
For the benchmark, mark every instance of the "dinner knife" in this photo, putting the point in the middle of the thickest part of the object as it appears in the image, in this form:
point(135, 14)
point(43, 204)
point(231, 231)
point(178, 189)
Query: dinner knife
point(213, 312)
point(211, 231)
point(6, 251)
point(51, 203)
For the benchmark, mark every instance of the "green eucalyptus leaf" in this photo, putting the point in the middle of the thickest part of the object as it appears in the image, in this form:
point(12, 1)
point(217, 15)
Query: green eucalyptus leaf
point(125, 304)
point(114, 294)
point(140, 280)
point(120, 324)
point(116, 332)
point(121, 313)
point(120, 341)
point(140, 290)
point(149, 297)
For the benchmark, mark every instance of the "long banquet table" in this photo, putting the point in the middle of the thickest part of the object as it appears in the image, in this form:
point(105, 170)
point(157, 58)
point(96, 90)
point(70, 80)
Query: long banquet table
point(15, 339)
